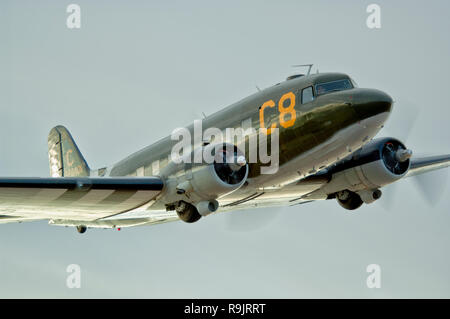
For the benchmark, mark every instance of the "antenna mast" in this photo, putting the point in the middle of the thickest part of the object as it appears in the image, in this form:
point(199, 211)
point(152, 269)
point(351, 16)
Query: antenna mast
point(304, 65)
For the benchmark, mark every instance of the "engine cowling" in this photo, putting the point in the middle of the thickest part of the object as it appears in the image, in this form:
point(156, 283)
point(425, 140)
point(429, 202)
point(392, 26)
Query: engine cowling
point(227, 173)
point(378, 163)
point(222, 170)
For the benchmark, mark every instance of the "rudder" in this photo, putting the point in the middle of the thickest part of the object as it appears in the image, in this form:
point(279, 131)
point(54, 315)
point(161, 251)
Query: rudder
point(64, 157)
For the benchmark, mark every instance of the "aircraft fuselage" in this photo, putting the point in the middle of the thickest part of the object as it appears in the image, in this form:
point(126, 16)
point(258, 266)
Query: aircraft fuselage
point(314, 131)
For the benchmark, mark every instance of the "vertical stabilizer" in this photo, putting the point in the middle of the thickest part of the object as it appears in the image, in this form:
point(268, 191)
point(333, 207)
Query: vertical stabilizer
point(64, 156)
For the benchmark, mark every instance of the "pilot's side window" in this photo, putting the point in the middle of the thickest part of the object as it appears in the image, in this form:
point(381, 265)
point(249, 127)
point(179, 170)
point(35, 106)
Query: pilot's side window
point(307, 95)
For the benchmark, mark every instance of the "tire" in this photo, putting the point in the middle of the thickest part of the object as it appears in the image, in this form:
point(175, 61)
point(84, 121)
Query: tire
point(352, 202)
point(187, 212)
point(81, 229)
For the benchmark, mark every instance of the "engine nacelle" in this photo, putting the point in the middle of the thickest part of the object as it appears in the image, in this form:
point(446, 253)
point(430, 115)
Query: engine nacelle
point(226, 171)
point(378, 163)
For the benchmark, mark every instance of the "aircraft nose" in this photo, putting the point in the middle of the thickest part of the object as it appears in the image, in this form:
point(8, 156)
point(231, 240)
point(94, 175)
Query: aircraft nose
point(371, 102)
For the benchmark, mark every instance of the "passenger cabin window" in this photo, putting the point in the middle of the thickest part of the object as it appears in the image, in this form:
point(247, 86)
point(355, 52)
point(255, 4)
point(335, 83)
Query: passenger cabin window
point(307, 95)
point(339, 85)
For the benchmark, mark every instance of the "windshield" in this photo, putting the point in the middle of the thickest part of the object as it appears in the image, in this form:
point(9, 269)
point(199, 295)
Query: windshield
point(328, 87)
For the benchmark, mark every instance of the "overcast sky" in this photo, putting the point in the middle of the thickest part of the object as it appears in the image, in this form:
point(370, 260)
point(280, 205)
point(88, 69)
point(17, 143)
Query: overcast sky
point(136, 70)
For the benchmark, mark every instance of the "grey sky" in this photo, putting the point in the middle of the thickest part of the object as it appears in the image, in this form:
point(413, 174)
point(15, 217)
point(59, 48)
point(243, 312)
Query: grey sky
point(134, 71)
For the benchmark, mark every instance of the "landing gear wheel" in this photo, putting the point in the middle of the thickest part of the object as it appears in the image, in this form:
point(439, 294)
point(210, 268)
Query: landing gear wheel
point(81, 229)
point(349, 200)
point(187, 212)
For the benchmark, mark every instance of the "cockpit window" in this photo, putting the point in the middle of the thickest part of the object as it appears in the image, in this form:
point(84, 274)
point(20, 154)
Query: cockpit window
point(307, 95)
point(333, 86)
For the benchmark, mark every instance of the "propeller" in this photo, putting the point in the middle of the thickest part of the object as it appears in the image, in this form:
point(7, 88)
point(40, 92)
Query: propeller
point(230, 165)
point(430, 185)
point(395, 157)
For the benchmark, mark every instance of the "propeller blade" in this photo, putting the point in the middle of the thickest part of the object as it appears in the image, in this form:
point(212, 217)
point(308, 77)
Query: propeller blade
point(400, 125)
point(402, 121)
point(432, 185)
point(387, 200)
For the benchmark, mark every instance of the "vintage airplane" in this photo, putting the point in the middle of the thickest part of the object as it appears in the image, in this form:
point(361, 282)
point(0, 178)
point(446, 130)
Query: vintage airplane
point(325, 127)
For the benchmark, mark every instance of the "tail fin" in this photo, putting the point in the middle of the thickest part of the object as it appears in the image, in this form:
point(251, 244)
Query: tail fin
point(64, 156)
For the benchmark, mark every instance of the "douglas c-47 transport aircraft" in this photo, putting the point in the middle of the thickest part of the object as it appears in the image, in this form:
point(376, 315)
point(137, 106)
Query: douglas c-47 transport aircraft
point(319, 130)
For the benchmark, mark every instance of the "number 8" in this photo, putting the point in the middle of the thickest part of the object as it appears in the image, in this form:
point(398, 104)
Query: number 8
point(287, 110)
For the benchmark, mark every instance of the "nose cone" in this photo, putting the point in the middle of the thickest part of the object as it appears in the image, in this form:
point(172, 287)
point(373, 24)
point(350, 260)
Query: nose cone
point(369, 102)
